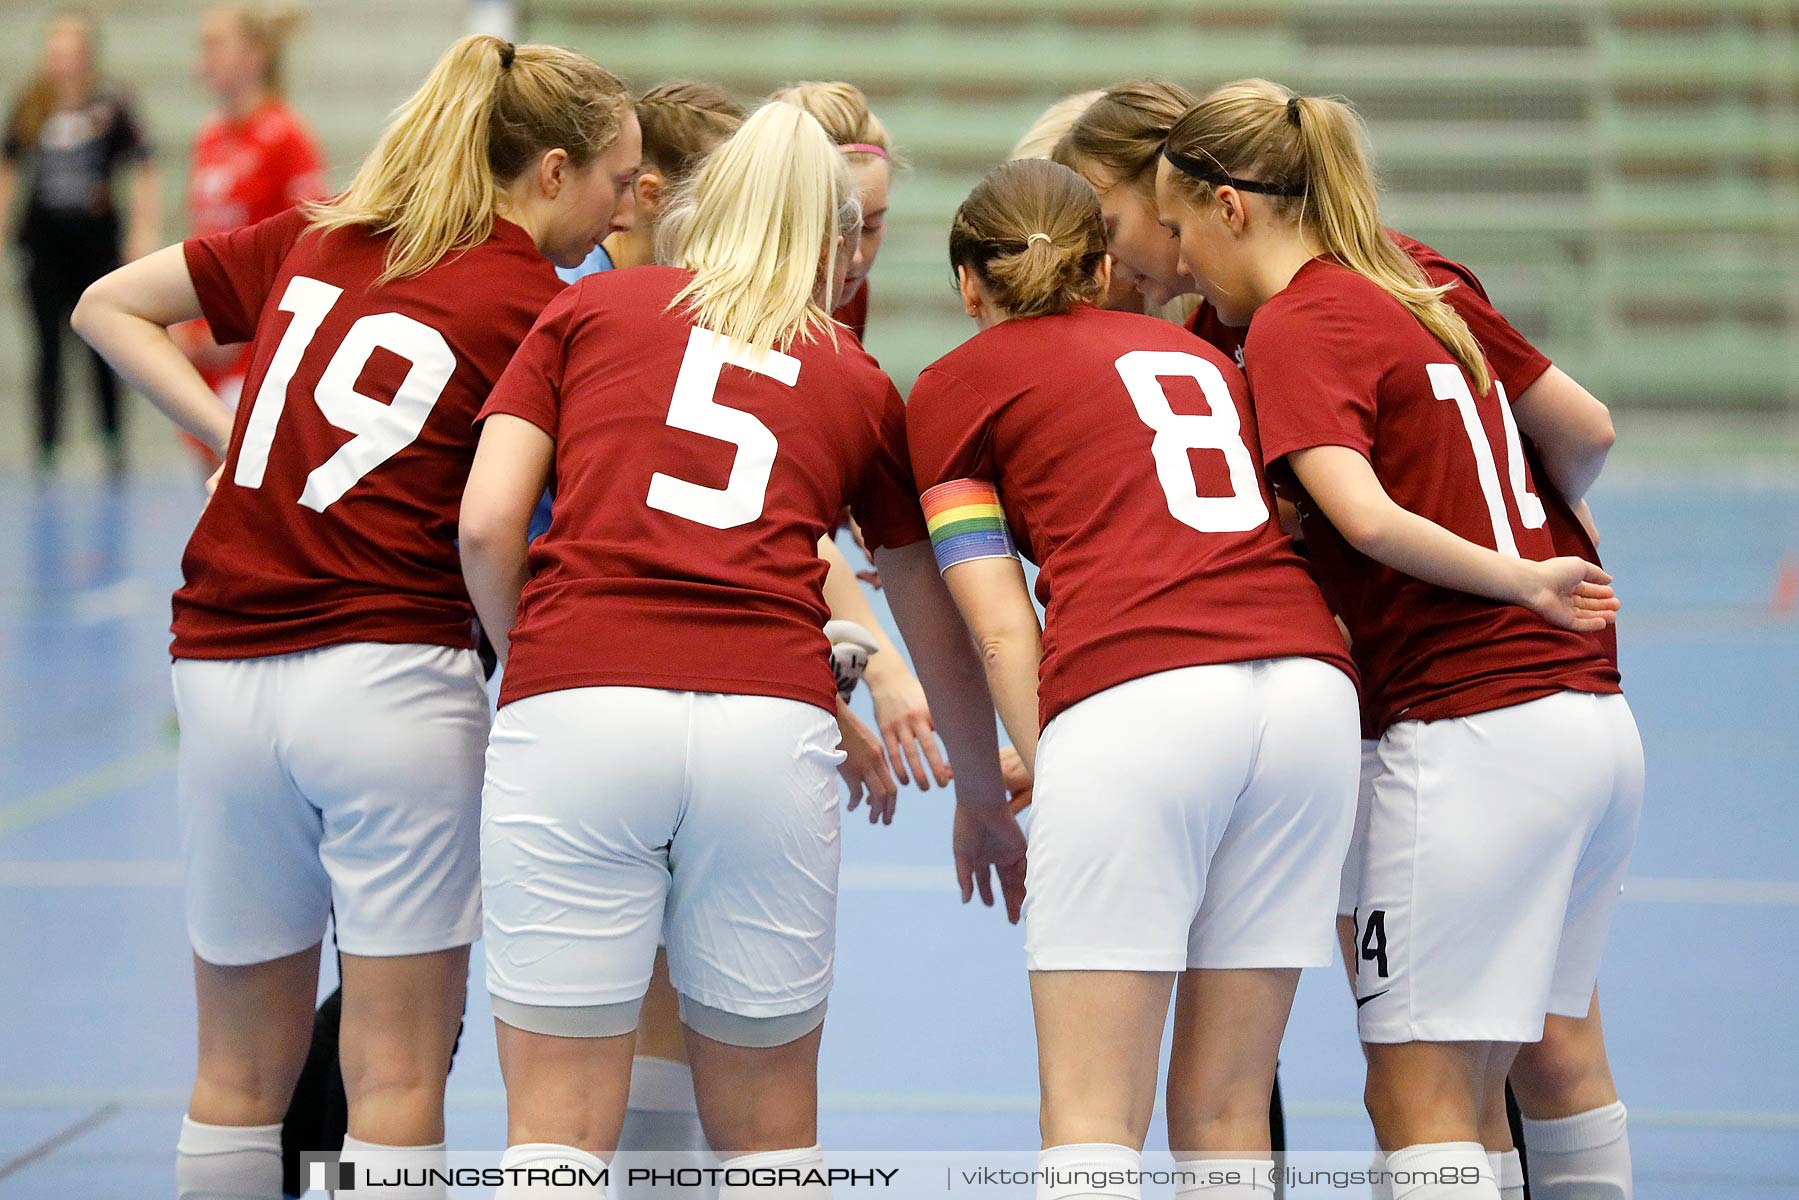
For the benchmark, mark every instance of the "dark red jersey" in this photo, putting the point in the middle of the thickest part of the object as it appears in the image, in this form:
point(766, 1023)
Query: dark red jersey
point(1335, 361)
point(693, 481)
point(1514, 361)
point(853, 313)
point(335, 520)
point(1121, 453)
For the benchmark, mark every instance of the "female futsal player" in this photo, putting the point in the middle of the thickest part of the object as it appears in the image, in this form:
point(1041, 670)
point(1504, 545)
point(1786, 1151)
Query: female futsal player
point(664, 758)
point(847, 119)
point(1570, 1097)
point(1195, 785)
point(1499, 729)
point(332, 709)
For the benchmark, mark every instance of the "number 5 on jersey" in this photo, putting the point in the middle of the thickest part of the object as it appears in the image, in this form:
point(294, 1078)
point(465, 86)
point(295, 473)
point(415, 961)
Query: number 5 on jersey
point(693, 408)
point(382, 430)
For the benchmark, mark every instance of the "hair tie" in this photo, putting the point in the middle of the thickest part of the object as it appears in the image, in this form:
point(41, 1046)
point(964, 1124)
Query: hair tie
point(862, 148)
point(1293, 110)
point(1043, 237)
point(507, 52)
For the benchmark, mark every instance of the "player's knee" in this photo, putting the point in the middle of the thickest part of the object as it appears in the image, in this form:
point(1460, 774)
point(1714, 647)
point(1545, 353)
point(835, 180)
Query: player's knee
point(1560, 1075)
point(750, 1033)
point(1221, 1103)
point(241, 1090)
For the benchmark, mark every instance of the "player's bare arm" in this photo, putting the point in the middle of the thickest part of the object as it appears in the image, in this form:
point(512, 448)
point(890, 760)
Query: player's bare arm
point(1567, 592)
point(1572, 431)
point(512, 463)
point(901, 711)
point(996, 605)
point(987, 837)
point(126, 316)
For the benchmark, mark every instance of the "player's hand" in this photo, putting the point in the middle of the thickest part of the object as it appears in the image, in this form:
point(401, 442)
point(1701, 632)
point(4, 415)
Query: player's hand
point(1017, 778)
point(906, 726)
point(212, 480)
point(865, 770)
point(988, 841)
point(1570, 593)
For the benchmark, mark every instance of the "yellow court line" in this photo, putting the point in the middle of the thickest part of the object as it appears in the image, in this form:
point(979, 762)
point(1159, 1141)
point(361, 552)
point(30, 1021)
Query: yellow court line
point(97, 784)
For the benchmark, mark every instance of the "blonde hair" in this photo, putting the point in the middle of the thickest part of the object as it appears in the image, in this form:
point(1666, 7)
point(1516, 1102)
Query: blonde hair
point(752, 223)
point(843, 111)
point(1260, 132)
point(1039, 141)
point(485, 113)
point(1118, 137)
point(269, 30)
point(683, 121)
point(1031, 232)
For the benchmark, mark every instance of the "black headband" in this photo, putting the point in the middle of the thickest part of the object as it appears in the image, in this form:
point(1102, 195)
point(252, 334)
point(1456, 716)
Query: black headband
point(1216, 176)
point(507, 50)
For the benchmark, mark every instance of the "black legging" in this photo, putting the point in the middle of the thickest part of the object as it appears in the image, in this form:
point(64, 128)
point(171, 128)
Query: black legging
point(58, 273)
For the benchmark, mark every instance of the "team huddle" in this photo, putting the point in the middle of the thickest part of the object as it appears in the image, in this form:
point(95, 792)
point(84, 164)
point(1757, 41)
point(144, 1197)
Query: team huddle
point(1326, 657)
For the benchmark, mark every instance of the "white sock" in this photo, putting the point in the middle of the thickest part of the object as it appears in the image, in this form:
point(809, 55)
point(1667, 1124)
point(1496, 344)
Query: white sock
point(1586, 1155)
point(1381, 1187)
point(407, 1166)
point(1089, 1171)
point(560, 1171)
point(1244, 1179)
point(227, 1162)
point(1508, 1169)
point(1442, 1171)
point(793, 1183)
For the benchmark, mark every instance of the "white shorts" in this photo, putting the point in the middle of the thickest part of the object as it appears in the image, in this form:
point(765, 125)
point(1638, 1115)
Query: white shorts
point(612, 815)
point(1495, 852)
point(1351, 886)
point(1193, 818)
point(344, 780)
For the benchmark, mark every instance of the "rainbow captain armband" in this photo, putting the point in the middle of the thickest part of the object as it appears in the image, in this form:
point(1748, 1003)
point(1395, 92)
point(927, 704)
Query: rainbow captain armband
point(966, 522)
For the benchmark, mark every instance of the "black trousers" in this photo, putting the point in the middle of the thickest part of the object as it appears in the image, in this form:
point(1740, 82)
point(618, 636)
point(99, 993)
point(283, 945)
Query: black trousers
point(63, 262)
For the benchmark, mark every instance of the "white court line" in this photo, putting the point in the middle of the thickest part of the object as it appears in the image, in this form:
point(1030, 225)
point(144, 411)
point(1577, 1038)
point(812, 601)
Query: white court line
point(874, 877)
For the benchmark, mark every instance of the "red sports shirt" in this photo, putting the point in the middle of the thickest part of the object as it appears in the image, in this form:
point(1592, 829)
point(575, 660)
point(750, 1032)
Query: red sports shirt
point(682, 551)
point(335, 520)
point(247, 170)
point(1334, 361)
point(1510, 356)
point(854, 313)
point(1124, 455)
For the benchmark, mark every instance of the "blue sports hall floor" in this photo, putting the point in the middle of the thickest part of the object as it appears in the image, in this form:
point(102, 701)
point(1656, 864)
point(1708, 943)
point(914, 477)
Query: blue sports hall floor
point(929, 1042)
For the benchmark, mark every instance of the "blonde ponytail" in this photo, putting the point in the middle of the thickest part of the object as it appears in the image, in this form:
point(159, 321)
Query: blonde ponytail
point(487, 111)
point(754, 222)
point(1306, 152)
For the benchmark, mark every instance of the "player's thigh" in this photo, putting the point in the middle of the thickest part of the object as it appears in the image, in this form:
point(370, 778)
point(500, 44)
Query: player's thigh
point(752, 919)
point(254, 1029)
point(1475, 828)
point(583, 795)
point(1134, 788)
point(387, 742)
point(400, 1018)
point(1271, 887)
point(255, 888)
point(1599, 874)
